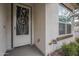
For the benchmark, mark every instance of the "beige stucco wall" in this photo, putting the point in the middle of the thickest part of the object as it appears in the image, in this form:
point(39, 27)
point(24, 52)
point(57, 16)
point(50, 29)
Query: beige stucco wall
point(51, 25)
point(39, 26)
point(3, 18)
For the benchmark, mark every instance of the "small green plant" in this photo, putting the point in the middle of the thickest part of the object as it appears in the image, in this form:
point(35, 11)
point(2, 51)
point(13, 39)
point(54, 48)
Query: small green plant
point(70, 49)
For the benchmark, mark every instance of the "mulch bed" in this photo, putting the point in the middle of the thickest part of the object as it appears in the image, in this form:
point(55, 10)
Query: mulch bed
point(57, 53)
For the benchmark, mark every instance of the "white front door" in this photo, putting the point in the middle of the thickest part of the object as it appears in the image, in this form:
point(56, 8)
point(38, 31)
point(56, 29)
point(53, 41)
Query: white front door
point(21, 25)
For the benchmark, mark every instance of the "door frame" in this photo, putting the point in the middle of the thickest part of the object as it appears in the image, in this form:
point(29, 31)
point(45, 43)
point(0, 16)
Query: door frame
point(12, 22)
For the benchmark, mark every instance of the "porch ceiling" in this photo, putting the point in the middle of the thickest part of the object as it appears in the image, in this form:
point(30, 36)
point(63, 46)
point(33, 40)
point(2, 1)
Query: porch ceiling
point(72, 5)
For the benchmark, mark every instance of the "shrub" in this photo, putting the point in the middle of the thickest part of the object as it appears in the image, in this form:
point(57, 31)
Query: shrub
point(70, 49)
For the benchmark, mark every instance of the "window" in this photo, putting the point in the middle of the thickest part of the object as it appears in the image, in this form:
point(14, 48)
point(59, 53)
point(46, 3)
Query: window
point(64, 20)
point(68, 28)
point(61, 28)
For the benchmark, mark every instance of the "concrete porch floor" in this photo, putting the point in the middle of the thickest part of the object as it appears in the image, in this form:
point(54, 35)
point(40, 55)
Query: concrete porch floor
point(27, 50)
